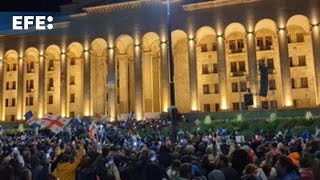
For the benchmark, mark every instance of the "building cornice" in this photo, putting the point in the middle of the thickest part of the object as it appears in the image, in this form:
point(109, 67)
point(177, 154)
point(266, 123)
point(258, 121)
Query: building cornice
point(120, 6)
point(215, 4)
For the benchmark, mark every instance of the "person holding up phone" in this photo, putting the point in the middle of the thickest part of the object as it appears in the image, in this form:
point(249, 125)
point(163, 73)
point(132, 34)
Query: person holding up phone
point(66, 170)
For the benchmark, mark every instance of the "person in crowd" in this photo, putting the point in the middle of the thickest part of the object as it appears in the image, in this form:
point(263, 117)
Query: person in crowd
point(66, 169)
point(186, 172)
point(286, 169)
point(307, 167)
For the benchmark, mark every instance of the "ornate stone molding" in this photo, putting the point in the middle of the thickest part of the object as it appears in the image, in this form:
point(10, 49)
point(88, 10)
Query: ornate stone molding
point(120, 6)
point(215, 4)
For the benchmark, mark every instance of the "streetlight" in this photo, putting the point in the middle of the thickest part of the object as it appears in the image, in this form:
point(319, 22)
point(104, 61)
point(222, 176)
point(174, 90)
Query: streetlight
point(172, 93)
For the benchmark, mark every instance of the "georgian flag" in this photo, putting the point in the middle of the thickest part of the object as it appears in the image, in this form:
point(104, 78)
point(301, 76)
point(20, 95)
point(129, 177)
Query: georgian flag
point(55, 123)
point(92, 131)
point(29, 118)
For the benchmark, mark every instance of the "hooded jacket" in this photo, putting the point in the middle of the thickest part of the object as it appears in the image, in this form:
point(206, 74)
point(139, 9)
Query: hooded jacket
point(66, 170)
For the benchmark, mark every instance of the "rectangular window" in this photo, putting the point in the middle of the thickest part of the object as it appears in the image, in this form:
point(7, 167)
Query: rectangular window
point(272, 84)
point(217, 107)
point(27, 101)
point(8, 67)
point(300, 37)
point(50, 99)
point(291, 62)
point(242, 66)
point(7, 85)
point(14, 67)
point(273, 104)
point(32, 66)
point(265, 104)
point(72, 98)
point(289, 39)
point(304, 82)
point(214, 46)
point(72, 62)
point(7, 102)
point(233, 66)
point(206, 89)
point(31, 84)
point(50, 82)
point(31, 101)
point(240, 44)
point(215, 68)
point(72, 81)
point(204, 48)
point(260, 42)
point(268, 40)
point(235, 106)
point(206, 107)
point(234, 87)
point(302, 60)
point(243, 86)
point(13, 102)
point(270, 64)
point(14, 85)
point(216, 88)
point(232, 44)
point(205, 69)
point(293, 85)
point(51, 65)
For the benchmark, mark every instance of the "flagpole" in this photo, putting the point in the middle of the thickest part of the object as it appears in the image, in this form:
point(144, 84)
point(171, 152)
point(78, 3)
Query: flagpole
point(61, 131)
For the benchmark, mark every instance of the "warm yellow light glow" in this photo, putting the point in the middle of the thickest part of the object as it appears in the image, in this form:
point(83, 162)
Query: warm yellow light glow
point(40, 115)
point(86, 44)
point(282, 22)
point(86, 112)
point(194, 106)
point(139, 116)
point(224, 103)
point(288, 101)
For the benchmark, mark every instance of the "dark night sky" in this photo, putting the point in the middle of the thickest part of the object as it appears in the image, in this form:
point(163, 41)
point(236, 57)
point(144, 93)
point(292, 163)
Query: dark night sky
point(32, 5)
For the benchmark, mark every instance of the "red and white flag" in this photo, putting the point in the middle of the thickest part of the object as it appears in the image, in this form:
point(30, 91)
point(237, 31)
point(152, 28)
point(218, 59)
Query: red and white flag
point(92, 131)
point(54, 123)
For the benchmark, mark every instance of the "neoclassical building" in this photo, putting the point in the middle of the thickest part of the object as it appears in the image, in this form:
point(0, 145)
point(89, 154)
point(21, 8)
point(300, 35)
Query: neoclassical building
point(112, 58)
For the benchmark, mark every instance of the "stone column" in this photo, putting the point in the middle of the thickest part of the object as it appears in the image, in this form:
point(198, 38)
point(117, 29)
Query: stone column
point(222, 72)
point(316, 55)
point(252, 60)
point(1, 90)
point(63, 86)
point(165, 90)
point(41, 86)
point(19, 101)
point(285, 68)
point(138, 81)
point(193, 76)
point(86, 83)
point(147, 82)
point(112, 83)
point(124, 83)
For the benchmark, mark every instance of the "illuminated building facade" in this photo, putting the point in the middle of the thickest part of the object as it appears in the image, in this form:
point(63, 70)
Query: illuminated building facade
point(112, 58)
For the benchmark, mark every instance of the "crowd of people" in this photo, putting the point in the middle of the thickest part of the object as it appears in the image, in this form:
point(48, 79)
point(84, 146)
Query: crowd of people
point(120, 151)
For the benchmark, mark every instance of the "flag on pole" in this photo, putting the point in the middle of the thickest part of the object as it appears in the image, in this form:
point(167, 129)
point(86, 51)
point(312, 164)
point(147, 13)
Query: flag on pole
point(92, 130)
point(29, 118)
point(77, 121)
point(54, 123)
